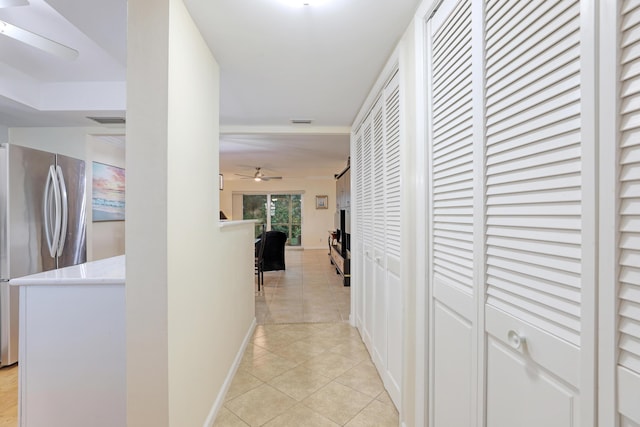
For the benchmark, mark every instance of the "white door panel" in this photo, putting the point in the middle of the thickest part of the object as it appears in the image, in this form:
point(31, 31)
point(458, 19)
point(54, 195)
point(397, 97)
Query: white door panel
point(394, 336)
point(626, 422)
point(629, 399)
point(521, 393)
point(368, 292)
point(546, 350)
point(380, 318)
point(452, 378)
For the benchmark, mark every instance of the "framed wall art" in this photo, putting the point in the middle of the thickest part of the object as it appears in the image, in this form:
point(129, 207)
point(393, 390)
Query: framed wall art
point(322, 202)
point(108, 193)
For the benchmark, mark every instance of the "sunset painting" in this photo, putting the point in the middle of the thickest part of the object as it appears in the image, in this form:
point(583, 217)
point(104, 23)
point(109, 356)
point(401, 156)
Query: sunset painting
point(108, 193)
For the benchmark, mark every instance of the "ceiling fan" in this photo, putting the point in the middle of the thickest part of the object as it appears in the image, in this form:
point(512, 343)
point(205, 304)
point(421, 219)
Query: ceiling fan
point(259, 176)
point(33, 39)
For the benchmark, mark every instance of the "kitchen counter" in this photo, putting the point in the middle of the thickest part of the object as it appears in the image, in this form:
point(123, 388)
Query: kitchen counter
point(228, 223)
point(72, 346)
point(110, 271)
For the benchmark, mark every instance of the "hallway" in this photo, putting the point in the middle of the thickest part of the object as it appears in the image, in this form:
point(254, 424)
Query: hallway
point(306, 366)
point(309, 290)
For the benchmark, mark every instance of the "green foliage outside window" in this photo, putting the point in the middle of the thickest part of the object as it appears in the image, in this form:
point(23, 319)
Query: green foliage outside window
point(285, 211)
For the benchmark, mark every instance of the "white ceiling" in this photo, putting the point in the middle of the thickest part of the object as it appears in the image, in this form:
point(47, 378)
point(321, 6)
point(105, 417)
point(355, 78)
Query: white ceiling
point(278, 62)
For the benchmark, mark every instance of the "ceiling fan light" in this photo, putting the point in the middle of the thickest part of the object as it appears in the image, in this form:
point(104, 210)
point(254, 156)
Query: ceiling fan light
point(257, 179)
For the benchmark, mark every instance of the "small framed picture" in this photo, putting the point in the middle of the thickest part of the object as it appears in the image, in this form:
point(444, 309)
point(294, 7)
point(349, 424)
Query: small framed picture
point(322, 202)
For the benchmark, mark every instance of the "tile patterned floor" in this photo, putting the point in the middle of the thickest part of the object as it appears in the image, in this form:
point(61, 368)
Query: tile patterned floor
point(305, 365)
point(309, 290)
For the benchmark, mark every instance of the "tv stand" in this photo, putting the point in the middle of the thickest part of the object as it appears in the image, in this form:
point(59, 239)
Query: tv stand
point(342, 263)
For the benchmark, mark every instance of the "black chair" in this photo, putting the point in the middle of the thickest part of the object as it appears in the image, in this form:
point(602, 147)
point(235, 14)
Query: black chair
point(274, 251)
point(259, 257)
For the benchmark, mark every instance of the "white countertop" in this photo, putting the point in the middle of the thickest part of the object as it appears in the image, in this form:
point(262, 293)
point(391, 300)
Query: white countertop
point(109, 271)
point(229, 223)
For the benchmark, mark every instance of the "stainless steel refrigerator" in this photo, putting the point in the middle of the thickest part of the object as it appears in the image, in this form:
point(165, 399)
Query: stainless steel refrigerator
point(42, 225)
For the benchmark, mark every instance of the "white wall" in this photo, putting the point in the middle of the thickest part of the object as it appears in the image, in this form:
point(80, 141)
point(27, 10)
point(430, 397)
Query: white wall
point(189, 284)
point(4, 134)
point(69, 141)
point(315, 222)
point(103, 239)
point(107, 236)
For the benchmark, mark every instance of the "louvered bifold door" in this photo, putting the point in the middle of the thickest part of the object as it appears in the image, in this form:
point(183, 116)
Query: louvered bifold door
point(629, 219)
point(533, 212)
point(395, 295)
point(366, 220)
point(451, 192)
point(379, 354)
point(357, 218)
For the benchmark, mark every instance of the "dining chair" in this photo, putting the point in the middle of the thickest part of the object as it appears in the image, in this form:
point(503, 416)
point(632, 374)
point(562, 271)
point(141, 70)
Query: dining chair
point(259, 256)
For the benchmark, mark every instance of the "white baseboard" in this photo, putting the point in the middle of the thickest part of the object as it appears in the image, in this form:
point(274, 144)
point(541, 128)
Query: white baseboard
point(217, 405)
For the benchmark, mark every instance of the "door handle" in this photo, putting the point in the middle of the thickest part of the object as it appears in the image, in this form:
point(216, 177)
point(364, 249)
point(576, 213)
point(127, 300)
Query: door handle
point(65, 210)
point(51, 205)
point(515, 340)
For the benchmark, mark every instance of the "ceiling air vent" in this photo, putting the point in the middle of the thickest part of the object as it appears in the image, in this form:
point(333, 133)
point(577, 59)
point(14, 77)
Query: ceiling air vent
point(108, 120)
point(301, 121)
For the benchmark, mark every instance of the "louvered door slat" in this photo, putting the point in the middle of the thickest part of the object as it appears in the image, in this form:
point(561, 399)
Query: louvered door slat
point(533, 164)
point(452, 152)
point(392, 168)
point(534, 23)
point(548, 43)
point(378, 178)
point(629, 7)
point(359, 185)
point(500, 15)
point(367, 187)
point(629, 208)
point(568, 293)
point(542, 235)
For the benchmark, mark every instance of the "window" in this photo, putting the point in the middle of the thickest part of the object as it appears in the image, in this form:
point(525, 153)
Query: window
point(284, 214)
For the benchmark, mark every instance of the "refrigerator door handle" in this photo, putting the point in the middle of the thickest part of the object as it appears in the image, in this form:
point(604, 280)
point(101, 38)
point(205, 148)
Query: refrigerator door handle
point(48, 205)
point(65, 210)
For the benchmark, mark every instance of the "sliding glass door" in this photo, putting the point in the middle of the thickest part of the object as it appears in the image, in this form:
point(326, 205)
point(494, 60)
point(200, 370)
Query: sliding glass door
point(254, 206)
point(284, 214)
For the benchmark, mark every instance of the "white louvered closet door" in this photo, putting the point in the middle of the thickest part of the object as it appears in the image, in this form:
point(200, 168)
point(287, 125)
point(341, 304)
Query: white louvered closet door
point(366, 220)
point(395, 295)
point(533, 213)
point(358, 213)
point(629, 219)
point(379, 347)
point(451, 192)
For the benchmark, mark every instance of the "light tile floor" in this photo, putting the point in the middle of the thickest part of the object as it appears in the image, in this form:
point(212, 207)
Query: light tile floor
point(305, 365)
point(309, 290)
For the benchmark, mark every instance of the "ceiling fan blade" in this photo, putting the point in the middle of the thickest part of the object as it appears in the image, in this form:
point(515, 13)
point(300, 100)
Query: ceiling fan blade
point(266, 178)
point(12, 3)
point(37, 41)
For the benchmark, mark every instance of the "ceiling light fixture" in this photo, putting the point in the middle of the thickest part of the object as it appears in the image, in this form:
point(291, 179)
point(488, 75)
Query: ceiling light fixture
point(302, 3)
